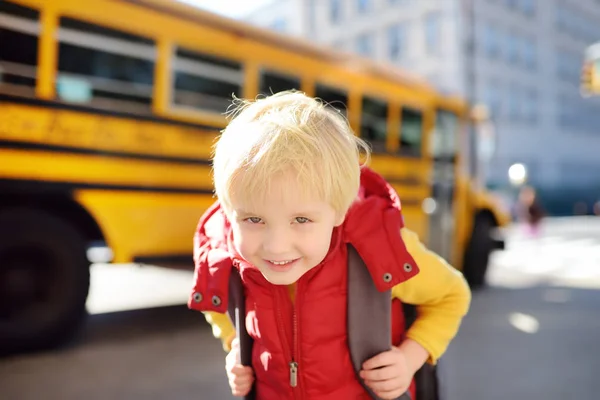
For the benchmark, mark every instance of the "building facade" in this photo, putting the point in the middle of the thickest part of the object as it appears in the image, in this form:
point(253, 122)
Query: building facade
point(522, 58)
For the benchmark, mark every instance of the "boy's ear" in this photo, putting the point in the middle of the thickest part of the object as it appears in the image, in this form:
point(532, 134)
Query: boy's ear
point(339, 219)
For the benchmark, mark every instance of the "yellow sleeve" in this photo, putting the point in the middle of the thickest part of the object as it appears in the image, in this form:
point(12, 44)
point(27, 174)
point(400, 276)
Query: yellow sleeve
point(439, 292)
point(222, 327)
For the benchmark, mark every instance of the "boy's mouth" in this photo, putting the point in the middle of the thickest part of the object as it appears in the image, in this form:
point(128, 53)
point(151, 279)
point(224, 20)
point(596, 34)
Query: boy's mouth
point(281, 265)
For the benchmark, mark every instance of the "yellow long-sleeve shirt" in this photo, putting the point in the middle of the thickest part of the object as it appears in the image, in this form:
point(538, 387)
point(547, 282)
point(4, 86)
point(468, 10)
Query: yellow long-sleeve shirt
point(439, 292)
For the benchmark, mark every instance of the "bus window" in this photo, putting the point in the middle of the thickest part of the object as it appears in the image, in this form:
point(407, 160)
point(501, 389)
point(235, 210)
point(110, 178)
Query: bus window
point(411, 132)
point(274, 82)
point(105, 68)
point(204, 82)
point(444, 141)
point(333, 97)
point(19, 28)
point(373, 126)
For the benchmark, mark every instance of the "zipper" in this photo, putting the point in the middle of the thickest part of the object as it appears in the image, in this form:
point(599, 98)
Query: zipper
point(294, 363)
point(291, 352)
point(293, 374)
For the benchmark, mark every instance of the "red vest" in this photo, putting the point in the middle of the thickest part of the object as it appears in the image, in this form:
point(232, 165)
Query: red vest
point(309, 334)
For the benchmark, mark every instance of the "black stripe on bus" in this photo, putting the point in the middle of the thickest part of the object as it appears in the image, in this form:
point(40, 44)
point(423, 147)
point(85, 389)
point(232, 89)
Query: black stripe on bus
point(18, 10)
point(19, 145)
point(405, 181)
point(40, 187)
point(91, 110)
point(34, 186)
point(410, 202)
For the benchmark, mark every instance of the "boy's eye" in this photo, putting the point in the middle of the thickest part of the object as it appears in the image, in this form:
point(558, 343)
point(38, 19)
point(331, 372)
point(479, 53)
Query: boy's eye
point(302, 220)
point(254, 220)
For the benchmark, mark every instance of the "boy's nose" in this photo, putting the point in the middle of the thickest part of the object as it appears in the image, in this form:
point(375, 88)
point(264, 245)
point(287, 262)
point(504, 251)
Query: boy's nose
point(276, 243)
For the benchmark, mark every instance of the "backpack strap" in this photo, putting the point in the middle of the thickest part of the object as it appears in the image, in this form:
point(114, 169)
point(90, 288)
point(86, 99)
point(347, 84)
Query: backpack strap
point(237, 314)
point(369, 317)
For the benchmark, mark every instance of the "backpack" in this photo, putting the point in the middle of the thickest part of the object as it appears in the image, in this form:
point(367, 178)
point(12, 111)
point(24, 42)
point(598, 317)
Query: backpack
point(369, 325)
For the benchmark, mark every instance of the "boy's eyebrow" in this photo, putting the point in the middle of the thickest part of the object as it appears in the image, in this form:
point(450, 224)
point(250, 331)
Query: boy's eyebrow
point(244, 212)
point(308, 212)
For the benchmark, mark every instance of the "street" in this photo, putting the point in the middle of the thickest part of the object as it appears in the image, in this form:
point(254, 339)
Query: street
point(532, 334)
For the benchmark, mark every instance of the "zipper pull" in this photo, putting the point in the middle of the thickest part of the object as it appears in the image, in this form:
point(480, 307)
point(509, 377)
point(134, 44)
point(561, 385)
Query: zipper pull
point(293, 374)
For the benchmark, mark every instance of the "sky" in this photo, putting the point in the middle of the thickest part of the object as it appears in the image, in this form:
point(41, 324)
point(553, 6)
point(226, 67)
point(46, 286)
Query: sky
point(229, 8)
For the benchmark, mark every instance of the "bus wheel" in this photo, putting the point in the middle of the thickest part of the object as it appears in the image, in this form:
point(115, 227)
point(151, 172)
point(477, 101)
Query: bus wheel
point(477, 254)
point(44, 280)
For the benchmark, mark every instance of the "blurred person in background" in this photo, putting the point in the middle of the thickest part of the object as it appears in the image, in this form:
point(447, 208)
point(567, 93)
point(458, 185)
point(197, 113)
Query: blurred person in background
point(529, 210)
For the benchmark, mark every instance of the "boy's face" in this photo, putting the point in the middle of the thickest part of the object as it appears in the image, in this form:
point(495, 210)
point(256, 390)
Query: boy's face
point(284, 235)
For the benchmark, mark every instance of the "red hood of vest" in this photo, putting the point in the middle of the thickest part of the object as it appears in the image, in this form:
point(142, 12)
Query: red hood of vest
point(372, 226)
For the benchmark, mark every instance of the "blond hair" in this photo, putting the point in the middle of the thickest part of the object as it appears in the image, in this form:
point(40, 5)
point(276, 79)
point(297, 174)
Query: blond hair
point(288, 132)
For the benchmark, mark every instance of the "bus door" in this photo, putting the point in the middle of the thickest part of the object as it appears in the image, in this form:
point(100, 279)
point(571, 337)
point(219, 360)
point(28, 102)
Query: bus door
point(440, 206)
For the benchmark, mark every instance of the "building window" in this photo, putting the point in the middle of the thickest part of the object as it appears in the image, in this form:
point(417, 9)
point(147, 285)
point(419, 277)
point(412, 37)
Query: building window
point(364, 6)
point(568, 66)
point(491, 41)
point(530, 106)
point(432, 32)
point(566, 115)
point(364, 44)
point(576, 24)
point(335, 11)
point(493, 99)
point(514, 99)
point(529, 54)
point(528, 7)
point(577, 114)
point(513, 48)
point(396, 41)
point(559, 17)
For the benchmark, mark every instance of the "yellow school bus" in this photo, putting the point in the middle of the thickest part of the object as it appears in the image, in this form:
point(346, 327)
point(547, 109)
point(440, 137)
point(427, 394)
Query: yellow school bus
point(109, 109)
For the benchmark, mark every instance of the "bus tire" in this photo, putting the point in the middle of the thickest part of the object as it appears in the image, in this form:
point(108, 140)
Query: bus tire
point(44, 280)
point(477, 254)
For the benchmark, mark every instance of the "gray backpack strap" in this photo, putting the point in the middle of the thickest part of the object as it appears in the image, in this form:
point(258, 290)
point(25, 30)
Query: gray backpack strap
point(369, 317)
point(236, 308)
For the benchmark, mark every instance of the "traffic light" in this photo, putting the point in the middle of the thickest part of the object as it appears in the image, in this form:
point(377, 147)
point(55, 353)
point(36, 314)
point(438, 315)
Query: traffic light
point(590, 72)
point(587, 79)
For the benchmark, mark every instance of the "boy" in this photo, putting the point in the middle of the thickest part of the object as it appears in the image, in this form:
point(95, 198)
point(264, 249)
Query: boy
point(291, 195)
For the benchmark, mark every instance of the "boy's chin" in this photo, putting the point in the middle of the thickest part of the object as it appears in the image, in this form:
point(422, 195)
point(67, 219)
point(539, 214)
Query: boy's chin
point(282, 278)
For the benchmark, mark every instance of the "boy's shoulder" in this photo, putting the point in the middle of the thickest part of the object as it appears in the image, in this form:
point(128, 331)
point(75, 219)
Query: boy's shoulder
point(373, 227)
point(212, 260)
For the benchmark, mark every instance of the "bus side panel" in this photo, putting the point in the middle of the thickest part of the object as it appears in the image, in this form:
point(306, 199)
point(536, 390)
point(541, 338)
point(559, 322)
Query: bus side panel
point(146, 225)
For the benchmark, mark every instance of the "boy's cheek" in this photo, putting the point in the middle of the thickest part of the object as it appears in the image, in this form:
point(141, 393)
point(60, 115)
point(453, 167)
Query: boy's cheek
point(245, 242)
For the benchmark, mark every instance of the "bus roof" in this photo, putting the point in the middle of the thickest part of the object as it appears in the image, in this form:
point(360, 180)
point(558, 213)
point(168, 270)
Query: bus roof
point(300, 46)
